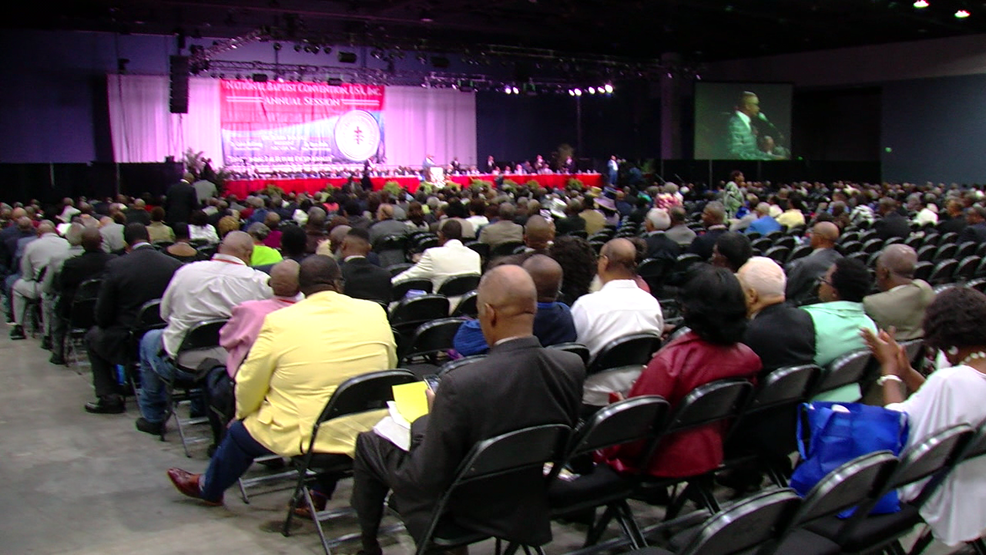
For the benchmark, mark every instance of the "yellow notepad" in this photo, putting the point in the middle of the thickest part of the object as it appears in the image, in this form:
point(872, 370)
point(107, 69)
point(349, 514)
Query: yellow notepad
point(411, 400)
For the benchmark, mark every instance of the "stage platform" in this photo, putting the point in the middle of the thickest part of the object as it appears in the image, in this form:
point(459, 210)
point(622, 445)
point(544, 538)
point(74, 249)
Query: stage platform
point(242, 187)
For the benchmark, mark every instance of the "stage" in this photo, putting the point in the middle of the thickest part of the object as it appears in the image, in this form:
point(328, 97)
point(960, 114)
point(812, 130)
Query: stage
point(242, 187)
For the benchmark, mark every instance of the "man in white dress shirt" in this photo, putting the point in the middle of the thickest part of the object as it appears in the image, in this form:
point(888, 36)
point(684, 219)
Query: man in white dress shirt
point(198, 292)
point(619, 308)
point(450, 258)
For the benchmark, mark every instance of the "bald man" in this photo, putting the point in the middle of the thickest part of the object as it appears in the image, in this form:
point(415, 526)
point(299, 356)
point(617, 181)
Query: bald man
point(619, 308)
point(37, 256)
point(714, 220)
point(539, 233)
point(199, 291)
point(386, 225)
point(903, 299)
point(469, 406)
point(803, 274)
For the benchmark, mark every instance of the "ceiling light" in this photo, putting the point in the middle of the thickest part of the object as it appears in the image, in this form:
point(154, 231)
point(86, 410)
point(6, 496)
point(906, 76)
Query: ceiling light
point(426, 17)
point(514, 90)
point(508, 90)
point(571, 92)
point(608, 88)
point(578, 92)
point(962, 14)
point(921, 4)
point(592, 90)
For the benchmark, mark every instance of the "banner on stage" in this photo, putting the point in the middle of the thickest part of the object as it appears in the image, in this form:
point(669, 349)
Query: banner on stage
point(275, 126)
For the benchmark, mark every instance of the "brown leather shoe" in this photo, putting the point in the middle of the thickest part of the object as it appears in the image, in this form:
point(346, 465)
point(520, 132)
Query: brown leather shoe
point(319, 500)
point(188, 484)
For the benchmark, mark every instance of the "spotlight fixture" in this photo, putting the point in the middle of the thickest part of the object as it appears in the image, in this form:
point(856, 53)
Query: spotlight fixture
point(508, 89)
point(578, 92)
point(277, 46)
point(962, 14)
point(608, 88)
point(571, 92)
point(514, 90)
point(920, 4)
point(334, 81)
point(297, 48)
point(592, 90)
point(425, 17)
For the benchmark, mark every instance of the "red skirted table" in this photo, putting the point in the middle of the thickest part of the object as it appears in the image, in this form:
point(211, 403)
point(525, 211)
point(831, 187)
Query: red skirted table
point(243, 187)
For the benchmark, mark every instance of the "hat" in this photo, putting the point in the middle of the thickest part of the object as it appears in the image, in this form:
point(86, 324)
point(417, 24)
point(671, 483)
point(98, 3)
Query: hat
point(606, 203)
point(557, 208)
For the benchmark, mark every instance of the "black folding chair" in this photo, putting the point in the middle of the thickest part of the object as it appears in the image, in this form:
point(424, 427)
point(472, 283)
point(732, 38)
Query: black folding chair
point(82, 316)
point(458, 363)
point(966, 268)
point(201, 343)
point(396, 269)
point(778, 254)
point(364, 393)
point(943, 272)
point(505, 249)
point(458, 285)
point(847, 369)
point(623, 422)
point(632, 349)
point(411, 313)
point(430, 342)
point(500, 459)
point(482, 249)
point(400, 290)
point(573, 347)
point(799, 252)
point(391, 249)
point(467, 305)
point(655, 271)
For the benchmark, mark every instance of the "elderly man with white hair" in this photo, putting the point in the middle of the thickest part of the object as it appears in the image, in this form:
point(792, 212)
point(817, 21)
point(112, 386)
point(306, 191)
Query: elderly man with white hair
point(659, 245)
point(780, 334)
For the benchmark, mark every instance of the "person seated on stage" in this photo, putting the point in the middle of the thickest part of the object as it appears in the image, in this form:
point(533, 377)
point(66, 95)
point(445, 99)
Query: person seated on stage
point(619, 308)
point(469, 407)
point(158, 230)
point(903, 299)
point(262, 254)
point(386, 225)
point(200, 291)
point(314, 229)
point(129, 281)
point(803, 273)
point(713, 306)
point(449, 259)
point(731, 251)
point(504, 230)
point(839, 317)
point(34, 262)
point(553, 323)
point(363, 279)
point(950, 395)
point(199, 228)
point(182, 250)
point(302, 354)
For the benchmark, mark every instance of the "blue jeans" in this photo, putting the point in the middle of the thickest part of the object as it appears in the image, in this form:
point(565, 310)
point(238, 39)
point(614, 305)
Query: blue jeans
point(155, 369)
point(233, 457)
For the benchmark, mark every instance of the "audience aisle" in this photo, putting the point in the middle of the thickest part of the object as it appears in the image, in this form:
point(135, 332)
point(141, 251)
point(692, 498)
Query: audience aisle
point(83, 483)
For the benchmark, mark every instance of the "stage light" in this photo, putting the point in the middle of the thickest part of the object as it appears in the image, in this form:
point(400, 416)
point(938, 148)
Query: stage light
point(571, 92)
point(921, 4)
point(439, 62)
point(508, 90)
point(514, 90)
point(578, 92)
point(425, 17)
point(592, 90)
point(277, 46)
point(608, 88)
point(962, 14)
point(334, 81)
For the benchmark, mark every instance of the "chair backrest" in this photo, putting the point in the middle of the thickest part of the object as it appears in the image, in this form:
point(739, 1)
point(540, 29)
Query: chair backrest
point(709, 403)
point(82, 313)
point(458, 363)
point(505, 249)
point(923, 459)
point(943, 272)
point(420, 284)
point(88, 289)
point(622, 422)
point(926, 253)
point(922, 270)
point(763, 243)
point(149, 317)
point(745, 525)
point(785, 241)
point(654, 271)
point(686, 260)
point(847, 486)
point(425, 242)
point(201, 341)
point(784, 386)
point(946, 251)
point(419, 309)
point(467, 305)
point(873, 245)
point(573, 347)
point(678, 332)
point(390, 243)
point(778, 254)
point(847, 369)
point(482, 249)
point(966, 268)
point(396, 269)
point(432, 337)
point(459, 285)
point(500, 457)
point(628, 350)
point(966, 249)
point(799, 252)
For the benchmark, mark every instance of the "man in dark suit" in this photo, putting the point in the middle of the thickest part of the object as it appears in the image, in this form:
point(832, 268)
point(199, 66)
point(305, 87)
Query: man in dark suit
point(891, 223)
point(181, 201)
point(713, 217)
point(803, 273)
point(130, 281)
point(469, 407)
point(659, 245)
point(953, 221)
point(364, 280)
point(88, 265)
point(136, 213)
point(975, 216)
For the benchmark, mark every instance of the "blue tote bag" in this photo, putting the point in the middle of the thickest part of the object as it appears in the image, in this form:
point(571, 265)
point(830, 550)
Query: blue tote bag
point(840, 432)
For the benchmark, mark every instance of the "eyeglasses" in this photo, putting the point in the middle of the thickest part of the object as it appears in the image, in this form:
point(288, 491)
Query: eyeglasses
point(825, 281)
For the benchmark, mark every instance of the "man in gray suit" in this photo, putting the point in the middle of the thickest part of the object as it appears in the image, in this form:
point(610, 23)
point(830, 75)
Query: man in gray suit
point(504, 230)
point(34, 263)
point(903, 299)
point(803, 274)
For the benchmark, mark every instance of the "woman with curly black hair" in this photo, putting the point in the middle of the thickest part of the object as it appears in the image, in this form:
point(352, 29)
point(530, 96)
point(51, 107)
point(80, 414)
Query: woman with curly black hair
point(955, 324)
point(578, 263)
point(714, 308)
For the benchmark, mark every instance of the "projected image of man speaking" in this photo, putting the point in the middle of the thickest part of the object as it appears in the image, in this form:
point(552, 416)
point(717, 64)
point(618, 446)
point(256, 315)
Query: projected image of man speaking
point(751, 136)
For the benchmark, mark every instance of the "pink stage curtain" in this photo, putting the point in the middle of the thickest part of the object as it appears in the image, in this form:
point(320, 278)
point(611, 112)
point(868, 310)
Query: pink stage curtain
point(420, 121)
point(143, 129)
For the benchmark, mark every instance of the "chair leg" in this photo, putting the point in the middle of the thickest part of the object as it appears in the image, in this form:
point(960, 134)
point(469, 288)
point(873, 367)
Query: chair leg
point(922, 543)
point(298, 490)
point(511, 549)
point(596, 530)
point(978, 546)
point(314, 515)
point(243, 493)
point(625, 517)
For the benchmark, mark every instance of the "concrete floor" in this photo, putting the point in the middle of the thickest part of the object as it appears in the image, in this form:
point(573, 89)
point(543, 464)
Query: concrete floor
point(75, 482)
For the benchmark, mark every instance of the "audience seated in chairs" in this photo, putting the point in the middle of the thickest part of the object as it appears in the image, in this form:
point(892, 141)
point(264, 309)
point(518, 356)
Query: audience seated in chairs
point(158, 231)
point(198, 292)
point(34, 263)
point(902, 299)
point(91, 263)
point(731, 251)
point(954, 395)
point(659, 245)
point(314, 229)
point(803, 273)
point(262, 254)
point(301, 356)
point(469, 407)
point(713, 218)
point(386, 224)
point(553, 322)
point(363, 279)
point(293, 243)
point(715, 311)
point(578, 263)
point(51, 288)
point(504, 229)
point(182, 250)
point(449, 259)
point(129, 281)
point(619, 308)
point(839, 317)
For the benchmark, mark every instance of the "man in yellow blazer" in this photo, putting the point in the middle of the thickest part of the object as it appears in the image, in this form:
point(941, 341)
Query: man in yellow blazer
point(303, 353)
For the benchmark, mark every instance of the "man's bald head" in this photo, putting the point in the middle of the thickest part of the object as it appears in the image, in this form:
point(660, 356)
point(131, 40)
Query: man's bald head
point(18, 213)
point(547, 275)
point(385, 212)
point(238, 244)
point(824, 235)
point(507, 301)
point(538, 233)
point(24, 223)
point(46, 226)
point(899, 259)
point(617, 260)
point(319, 273)
point(74, 234)
point(284, 278)
point(92, 239)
